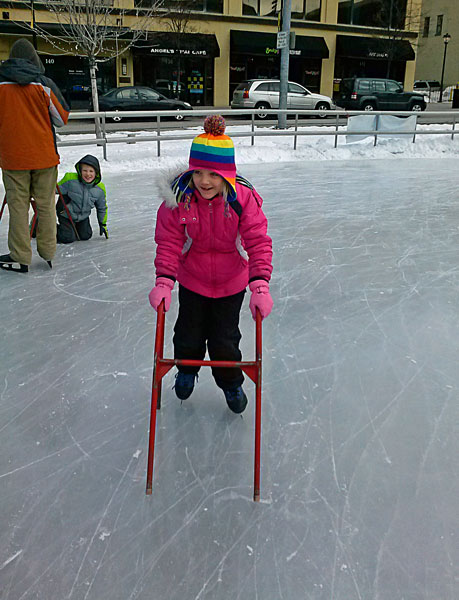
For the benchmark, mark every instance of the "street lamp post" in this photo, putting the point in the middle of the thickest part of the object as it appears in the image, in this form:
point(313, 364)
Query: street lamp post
point(34, 33)
point(446, 39)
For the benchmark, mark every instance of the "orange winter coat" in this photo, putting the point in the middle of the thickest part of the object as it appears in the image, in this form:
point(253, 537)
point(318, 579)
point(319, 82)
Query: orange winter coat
point(30, 106)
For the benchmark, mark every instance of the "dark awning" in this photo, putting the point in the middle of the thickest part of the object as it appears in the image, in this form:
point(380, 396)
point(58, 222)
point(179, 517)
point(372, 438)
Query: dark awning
point(255, 42)
point(187, 44)
point(353, 46)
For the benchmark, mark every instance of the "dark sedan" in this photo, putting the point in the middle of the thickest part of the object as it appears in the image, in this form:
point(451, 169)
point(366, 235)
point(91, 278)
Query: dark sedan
point(139, 98)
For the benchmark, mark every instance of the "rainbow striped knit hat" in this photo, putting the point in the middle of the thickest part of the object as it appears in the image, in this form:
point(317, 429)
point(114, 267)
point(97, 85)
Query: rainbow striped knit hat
point(214, 151)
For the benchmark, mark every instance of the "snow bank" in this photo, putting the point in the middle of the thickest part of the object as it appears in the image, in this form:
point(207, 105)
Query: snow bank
point(142, 156)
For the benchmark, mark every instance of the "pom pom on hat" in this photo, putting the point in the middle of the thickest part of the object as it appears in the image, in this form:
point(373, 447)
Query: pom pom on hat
point(215, 125)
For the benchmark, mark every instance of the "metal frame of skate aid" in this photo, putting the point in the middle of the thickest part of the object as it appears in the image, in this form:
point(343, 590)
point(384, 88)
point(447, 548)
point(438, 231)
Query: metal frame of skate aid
point(34, 219)
point(35, 214)
point(162, 365)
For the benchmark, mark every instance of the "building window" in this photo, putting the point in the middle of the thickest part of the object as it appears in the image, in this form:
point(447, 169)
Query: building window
point(373, 13)
point(212, 6)
point(439, 25)
point(312, 12)
point(301, 9)
point(261, 8)
point(425, 32)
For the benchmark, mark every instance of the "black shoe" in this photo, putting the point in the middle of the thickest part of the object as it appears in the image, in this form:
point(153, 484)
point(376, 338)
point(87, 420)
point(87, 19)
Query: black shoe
point(8, 264)
point(236, 399)
point(184, 384)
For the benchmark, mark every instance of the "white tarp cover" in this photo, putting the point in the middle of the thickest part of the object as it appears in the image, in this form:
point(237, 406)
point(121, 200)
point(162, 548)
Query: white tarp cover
point(372, 123)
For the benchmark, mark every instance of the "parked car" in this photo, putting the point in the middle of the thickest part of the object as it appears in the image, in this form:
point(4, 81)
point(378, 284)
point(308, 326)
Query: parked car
point(425, 87)
point(264, 94)
point(139, 98)
point(365, 93)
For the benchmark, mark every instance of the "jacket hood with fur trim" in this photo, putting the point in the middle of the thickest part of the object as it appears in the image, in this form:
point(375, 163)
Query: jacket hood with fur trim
point(164, 181)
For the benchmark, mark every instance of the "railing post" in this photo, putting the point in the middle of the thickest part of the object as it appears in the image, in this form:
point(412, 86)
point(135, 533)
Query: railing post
point(253, 129)
point(415, 126)
point(376, 130)
point(104, 134)
point(295, 136)
point(454, 127)
point(336, 130)
point(158, 133)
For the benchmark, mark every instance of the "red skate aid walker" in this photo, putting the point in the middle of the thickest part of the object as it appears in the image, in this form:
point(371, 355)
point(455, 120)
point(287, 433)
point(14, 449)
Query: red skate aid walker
point(162, 366)
point(34, 218)
point(35, 213)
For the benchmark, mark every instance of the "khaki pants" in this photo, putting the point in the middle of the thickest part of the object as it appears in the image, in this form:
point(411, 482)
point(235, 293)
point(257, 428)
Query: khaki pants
point(20, 187)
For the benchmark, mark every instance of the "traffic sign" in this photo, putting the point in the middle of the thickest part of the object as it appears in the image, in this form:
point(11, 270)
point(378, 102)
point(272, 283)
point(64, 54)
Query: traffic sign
point(282, 39)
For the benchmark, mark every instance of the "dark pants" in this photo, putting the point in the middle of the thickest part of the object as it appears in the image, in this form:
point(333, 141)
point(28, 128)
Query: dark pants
point(66, 233)
point(214, 321)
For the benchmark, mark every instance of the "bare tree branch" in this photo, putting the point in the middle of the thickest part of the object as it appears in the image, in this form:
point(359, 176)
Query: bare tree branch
point(94, 29)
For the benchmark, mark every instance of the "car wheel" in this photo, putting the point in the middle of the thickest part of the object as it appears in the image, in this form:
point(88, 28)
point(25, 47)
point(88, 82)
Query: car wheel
point(179, 116)
point(117, 119)
point(368, 106)
point(323, 106)
point(263, 106)
point(416, 107)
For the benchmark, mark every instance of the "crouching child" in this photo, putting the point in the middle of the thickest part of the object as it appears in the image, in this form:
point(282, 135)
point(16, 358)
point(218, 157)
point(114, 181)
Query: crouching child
point(81, 192)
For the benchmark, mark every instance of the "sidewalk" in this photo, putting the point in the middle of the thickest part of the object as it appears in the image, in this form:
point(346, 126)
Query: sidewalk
point(439, 106)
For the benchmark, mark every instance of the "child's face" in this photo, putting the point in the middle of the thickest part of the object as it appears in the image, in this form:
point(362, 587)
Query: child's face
point(208, 183)
point(87, 173)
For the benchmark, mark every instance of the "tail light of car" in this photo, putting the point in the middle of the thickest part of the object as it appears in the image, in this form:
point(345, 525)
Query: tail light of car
point(245, 94)
point(354, 96)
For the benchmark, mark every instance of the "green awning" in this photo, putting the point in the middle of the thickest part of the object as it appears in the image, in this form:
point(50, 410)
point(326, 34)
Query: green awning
point(255, 42)
point(353, 46)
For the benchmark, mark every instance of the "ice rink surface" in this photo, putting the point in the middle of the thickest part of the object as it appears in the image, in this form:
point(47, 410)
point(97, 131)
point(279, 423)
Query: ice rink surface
point(359, 481)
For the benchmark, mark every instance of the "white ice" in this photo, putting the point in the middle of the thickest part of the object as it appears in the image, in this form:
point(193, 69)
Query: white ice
point(359, 481)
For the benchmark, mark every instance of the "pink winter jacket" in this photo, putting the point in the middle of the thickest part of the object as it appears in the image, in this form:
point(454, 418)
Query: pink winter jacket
point(201, 244)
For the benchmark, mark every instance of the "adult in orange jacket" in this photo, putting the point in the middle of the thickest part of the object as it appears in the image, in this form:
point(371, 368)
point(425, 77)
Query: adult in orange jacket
point(30, 105)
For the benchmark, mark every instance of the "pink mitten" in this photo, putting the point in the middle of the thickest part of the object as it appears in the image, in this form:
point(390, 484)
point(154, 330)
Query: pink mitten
point(161, 291)
point(261, 298)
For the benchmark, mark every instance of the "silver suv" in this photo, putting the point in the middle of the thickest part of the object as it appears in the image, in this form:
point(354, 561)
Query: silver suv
point(264, 94)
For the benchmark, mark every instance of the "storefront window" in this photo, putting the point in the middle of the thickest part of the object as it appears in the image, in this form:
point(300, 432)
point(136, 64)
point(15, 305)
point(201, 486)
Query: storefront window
point(185, 78)
point(71, 74)
point(301, 9)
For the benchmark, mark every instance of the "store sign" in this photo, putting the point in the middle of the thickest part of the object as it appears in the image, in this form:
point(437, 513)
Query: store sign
point(276, 51)
point(176, 51)
point(378, 55)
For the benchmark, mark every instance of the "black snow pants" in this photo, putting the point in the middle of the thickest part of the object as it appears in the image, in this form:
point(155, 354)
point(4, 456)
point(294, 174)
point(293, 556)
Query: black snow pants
point(212, 321)
point(66, 234)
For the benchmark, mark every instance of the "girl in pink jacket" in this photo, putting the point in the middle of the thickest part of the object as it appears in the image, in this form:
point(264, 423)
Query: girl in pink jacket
point(211, 237)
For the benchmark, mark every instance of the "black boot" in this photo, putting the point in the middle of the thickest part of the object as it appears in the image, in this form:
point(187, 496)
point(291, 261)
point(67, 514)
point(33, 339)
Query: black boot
point(184, 384)
point(7, 263)
point(236, 399)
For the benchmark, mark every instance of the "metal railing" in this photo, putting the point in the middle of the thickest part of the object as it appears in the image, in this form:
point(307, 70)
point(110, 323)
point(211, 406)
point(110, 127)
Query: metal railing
point(258, 127)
